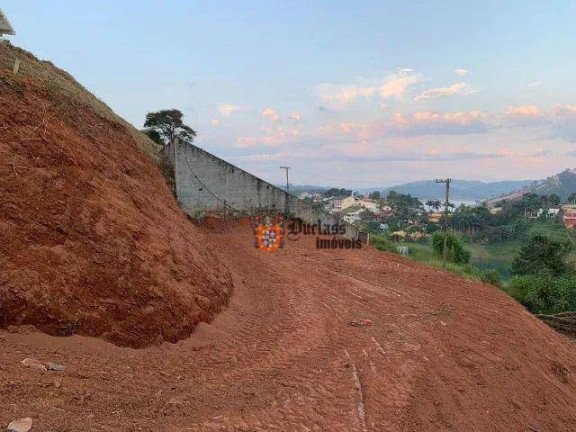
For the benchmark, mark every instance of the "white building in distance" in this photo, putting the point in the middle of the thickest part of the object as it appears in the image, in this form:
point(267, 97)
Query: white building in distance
point(5, 27)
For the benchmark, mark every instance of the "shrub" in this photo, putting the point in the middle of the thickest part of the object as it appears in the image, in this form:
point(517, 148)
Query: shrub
point(455, 253)
point(380, 243)
point(491, 276)
point(544, 294)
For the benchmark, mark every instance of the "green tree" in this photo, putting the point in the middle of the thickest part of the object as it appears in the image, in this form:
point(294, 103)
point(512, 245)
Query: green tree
point(543, 256)
point(554, 199)
point(154, 135)
point(366, 216)
point(435, 204)
point(338, 193)
point(571, 198)
point(167, 125)
point(374, 195)
point(456, 252)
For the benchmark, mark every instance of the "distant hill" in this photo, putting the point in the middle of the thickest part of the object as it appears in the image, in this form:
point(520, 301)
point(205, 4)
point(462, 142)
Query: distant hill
point(463, 190)
point(562, 184)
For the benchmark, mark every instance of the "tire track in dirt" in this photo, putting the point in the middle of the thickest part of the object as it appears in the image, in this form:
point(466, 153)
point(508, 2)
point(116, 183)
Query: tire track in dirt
point(284, 357)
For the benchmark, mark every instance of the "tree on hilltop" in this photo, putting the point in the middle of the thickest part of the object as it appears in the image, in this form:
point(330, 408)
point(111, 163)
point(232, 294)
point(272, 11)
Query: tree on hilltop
point(435, 204)
point(374, 195)
point(542, 255)
point(165, 125)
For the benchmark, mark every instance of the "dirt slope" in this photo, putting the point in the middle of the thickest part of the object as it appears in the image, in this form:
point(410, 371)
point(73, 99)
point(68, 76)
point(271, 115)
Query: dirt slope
point(442, 354)
point(92, 243)
point(91, 240)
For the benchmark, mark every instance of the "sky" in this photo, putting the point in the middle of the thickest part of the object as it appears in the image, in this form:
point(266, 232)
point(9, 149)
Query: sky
point(357, 94)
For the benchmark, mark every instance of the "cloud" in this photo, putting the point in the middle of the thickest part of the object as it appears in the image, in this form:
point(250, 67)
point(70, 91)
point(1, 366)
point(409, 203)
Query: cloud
point(215, 122)
point(541, 152)
point(273, 137)
point(271, 115)
point(455, 89)
point(227, 109)
point(564, 122)
point(424, 157)
point(435, 123)
point(394, 86)
point(347, 127)
point(534, 84)
point(462, 72)
point(338, 96)
point(528, 115)
point(295, 116)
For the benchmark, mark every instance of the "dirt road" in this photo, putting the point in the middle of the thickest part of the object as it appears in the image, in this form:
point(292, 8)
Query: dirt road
point(438, 354)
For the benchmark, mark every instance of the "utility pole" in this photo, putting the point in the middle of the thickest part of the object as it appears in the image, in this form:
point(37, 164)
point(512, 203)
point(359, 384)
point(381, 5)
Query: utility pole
point(287, 210)
point(287, 168)
point(447, 181)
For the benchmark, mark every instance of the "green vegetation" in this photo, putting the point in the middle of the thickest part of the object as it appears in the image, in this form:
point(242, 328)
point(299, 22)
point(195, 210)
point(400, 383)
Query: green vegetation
point(337, 193)
point(455, 251)
point(543, 256)
point(544, 281)
point(544, 294)
point(351, 209)
point(423, 252)
point(523, 248)
point(165, 125)
point(497, 256)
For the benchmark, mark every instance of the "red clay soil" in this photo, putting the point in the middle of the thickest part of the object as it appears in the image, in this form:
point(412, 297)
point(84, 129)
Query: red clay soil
point(440, 354)
point(93, 244)
point(91, 240)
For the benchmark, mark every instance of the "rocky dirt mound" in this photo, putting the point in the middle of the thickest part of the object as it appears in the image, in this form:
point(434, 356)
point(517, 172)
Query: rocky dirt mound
point(91, 240)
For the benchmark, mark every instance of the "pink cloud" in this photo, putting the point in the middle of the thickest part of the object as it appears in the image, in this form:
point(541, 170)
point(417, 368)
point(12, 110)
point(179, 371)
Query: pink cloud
point(271, 115)
point(226, 109)
point(295, 116)
point(394, 86)
point(435, 123)
point(455, 89)
point(528, 115)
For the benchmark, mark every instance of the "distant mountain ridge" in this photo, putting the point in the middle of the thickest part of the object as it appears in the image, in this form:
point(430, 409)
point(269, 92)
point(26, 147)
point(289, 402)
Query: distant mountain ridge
point(462, 190)
point(562, 184)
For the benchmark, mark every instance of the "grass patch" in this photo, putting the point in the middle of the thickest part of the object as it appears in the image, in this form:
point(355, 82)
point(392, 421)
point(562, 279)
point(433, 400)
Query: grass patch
point(423, 253)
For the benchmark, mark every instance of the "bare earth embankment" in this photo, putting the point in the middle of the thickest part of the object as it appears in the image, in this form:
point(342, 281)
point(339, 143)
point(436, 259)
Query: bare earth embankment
point(91, 240)
point(442, 354)
point(94, 246)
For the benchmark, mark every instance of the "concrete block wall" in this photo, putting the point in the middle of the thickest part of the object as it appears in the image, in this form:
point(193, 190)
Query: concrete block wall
point(206, 183)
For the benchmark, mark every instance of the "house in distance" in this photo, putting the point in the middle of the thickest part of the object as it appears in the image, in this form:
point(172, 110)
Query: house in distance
point(5, 27)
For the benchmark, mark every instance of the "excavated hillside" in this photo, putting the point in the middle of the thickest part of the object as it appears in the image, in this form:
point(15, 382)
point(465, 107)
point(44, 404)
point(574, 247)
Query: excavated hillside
point(91, 240)
point(346, 340)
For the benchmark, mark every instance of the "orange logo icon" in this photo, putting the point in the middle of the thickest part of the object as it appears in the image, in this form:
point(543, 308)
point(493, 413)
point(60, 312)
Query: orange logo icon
point(268, 232)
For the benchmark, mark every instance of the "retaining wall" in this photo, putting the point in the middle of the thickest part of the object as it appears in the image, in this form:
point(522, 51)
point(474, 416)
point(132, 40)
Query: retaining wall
point(206, 183)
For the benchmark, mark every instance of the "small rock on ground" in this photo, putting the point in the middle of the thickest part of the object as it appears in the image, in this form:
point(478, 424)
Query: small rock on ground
point(55, 367)
point(34, 364)
point(22, 425)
